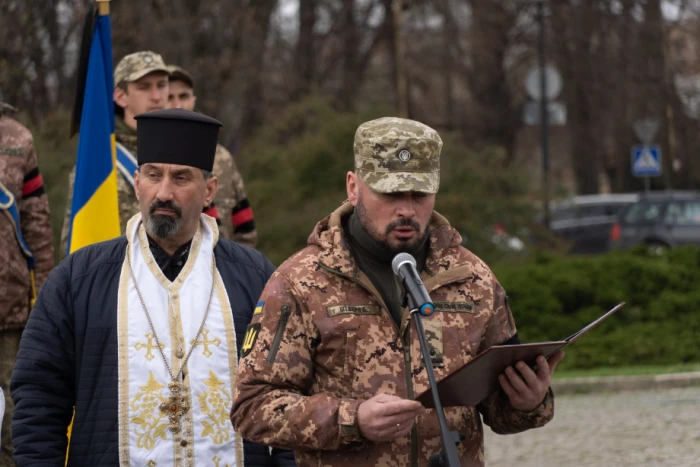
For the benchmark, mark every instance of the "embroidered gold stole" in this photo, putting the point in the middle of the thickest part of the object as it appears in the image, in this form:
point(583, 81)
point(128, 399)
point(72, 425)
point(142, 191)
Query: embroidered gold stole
point(206, 437)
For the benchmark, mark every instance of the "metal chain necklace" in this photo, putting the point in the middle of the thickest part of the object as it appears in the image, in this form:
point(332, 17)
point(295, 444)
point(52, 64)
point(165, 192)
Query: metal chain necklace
point(176, 406)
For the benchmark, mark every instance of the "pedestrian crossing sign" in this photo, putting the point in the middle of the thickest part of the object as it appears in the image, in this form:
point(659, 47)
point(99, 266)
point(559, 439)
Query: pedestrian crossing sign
point(646, 161)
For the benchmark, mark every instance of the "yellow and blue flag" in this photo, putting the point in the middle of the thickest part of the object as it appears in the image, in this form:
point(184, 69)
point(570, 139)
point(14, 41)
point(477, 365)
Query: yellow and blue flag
point(258, 308)
point(95, 209)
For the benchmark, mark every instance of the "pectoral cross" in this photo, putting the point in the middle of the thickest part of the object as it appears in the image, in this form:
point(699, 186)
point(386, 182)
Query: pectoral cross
point(205, 333)
point(217, 461)
point(149, 346)
point(175, 407)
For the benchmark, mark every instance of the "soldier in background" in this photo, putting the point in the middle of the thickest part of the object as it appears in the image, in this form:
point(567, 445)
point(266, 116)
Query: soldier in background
point(140, 85)
point(231, 207)
point(26, 252)
point(330, 363)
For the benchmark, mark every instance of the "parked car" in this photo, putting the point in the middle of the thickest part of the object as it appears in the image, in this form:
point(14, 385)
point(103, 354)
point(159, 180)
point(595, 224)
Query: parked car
point(660, 220)
point(585, 221)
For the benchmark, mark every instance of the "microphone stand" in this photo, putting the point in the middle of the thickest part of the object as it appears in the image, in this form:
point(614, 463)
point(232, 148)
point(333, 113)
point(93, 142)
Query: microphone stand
point(448, 457)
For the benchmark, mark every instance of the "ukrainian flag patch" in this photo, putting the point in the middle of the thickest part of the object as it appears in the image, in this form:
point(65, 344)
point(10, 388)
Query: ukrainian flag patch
point(258, 308)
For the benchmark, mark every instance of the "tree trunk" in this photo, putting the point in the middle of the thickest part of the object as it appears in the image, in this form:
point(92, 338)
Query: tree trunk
point(448, 36)
point(350, 52)
point(494, 119)
point(255, 58)
point(573, 47)
point(305, 50)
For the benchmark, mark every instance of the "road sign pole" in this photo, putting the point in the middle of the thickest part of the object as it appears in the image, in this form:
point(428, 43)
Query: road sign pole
point(646, 163)
point(544, 114)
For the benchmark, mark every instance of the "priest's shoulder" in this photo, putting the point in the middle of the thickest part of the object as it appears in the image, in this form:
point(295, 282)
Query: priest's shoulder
point(96, 255)
point(232, 252)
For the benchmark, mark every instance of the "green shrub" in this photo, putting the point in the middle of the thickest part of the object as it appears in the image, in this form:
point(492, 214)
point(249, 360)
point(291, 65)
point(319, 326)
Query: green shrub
point(56, 155)
point(552, 297)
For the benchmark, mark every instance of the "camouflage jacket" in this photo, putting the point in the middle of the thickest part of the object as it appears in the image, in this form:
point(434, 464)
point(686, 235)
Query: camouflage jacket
point(324, 342)
point(235, 215)
point(20, 175)
point(230, 197)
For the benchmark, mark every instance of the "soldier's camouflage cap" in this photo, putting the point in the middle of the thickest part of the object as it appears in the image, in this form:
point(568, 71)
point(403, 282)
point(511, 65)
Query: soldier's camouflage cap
point(6, 109)
point(395, 154)
point(137, 65)
point(179, 73)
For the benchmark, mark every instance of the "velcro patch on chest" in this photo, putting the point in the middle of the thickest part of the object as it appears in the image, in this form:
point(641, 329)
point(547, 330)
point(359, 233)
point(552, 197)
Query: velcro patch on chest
point(353, 310)
point(12, 151)
point(455, 307)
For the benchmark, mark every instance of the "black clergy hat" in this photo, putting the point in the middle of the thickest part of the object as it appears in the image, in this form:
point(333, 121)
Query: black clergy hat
point(177, 136)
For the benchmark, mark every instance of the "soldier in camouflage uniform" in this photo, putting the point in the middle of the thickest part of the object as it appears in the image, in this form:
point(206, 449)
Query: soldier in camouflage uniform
point(141, 85)
point(231, 207)
point(330, 364)
point(21, 182)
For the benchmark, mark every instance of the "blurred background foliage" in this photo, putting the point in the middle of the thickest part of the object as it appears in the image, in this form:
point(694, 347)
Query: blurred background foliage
point(553, 296)
point(477, 189)
point(292, 80)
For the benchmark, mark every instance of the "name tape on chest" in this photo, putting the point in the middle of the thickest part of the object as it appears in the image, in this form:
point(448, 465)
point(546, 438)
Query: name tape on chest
point(455, 307)
point(353, 310)
point(12, 151)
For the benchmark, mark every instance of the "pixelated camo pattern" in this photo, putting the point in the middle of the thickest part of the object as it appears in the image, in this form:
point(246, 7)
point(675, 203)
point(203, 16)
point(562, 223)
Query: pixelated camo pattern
point(18, 159)
point(309, 369)
point(137, 65)
point(231, 192)
point(395, 154)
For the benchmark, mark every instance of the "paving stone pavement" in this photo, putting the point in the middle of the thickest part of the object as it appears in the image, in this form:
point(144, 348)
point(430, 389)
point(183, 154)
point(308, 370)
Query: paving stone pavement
point(636, 428)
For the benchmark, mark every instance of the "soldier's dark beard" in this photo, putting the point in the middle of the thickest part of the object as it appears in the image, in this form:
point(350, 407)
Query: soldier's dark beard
point(161, 225)
point(407, 246)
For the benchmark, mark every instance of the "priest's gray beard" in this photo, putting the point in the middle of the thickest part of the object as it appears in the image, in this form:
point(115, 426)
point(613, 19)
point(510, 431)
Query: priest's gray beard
point(161, 225)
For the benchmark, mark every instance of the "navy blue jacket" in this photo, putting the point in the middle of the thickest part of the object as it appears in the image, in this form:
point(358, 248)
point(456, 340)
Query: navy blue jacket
point(68, 356)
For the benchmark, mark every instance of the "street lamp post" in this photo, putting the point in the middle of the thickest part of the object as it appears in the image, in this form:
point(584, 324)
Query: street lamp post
point(544, 113)
point(401, 85)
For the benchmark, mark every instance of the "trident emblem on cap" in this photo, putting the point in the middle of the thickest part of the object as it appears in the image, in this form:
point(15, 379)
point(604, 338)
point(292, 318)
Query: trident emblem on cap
point(404, 156)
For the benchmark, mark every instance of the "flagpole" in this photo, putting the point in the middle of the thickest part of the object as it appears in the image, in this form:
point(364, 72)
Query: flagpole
point(102, 7)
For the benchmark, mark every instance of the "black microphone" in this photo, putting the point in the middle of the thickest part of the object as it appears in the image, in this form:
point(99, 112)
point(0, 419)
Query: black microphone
point(404, 267)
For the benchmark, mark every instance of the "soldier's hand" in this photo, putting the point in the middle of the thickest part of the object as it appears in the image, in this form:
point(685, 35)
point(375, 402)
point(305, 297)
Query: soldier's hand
point(385, 418)
point(528, 389)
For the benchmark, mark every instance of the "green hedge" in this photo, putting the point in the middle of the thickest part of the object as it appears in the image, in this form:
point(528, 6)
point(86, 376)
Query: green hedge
point(552, 297)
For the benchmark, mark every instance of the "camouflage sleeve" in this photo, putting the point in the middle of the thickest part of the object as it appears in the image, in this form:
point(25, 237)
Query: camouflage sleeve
point(35, 219)
point(128, 204)
point(501, 325)
point(242, 218)
point(271, 402)
point(66, 216)
point(496, 409)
